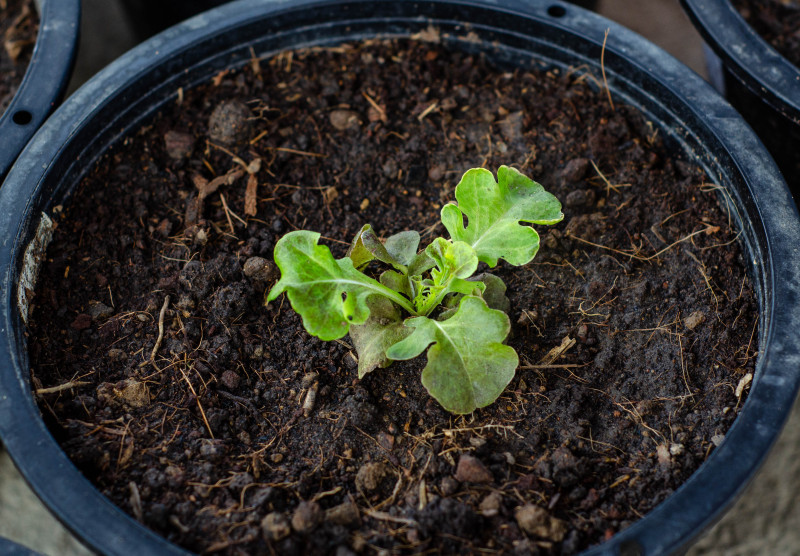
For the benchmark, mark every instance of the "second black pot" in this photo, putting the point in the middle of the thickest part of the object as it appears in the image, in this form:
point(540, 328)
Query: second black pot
point(45, 80)
point(760, 83)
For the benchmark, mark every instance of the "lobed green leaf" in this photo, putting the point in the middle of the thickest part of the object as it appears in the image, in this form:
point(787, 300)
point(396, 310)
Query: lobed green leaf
point(494, 210)
point(468, 366)
point(329, 294)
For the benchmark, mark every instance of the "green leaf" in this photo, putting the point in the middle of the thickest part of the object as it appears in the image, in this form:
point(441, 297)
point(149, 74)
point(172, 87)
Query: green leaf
point(420, 263)
point(486, 286)
point(329, 294)
point(403, 246)
point(367, 246)
point(397, 282)
point(383, 328)
point(467, 287)
point(453, 260)
point(494, 293)
point(468, 366)
point(357, 252)
point(494, 210)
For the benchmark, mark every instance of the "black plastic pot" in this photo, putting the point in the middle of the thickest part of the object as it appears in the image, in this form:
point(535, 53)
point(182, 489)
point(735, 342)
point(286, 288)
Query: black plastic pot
point(693, 119)
point(760, 83)
point(148, 17)
point(10, 548)
point(45, 79)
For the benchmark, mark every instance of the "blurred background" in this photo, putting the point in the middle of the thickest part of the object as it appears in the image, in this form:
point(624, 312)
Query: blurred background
point(766, 520)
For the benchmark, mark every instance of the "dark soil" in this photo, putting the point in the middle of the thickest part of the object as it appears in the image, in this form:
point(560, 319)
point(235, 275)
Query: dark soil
point(19, 23)
point(777, 21)
point(246, 435)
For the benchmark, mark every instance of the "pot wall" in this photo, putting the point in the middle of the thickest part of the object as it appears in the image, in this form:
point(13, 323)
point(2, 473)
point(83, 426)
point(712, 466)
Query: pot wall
point(149, 17)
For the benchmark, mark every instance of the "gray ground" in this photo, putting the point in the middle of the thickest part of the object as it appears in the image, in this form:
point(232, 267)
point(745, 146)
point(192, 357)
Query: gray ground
point(766, 520)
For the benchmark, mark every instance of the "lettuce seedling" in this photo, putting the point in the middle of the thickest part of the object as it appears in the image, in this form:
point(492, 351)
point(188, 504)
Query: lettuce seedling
point(430, 298)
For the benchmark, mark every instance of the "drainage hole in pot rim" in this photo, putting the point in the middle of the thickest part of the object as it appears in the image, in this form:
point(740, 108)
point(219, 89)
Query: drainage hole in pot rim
point(630, 548)
point(22, 117)
point(556, 11)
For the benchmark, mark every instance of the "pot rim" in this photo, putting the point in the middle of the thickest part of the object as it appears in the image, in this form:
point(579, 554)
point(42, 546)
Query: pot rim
point(11, 548)
point(45, 79)
point(740, 161)
point(746, 54)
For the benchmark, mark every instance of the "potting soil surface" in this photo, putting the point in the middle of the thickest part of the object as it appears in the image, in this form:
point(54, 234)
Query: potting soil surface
point(19, 24)
point(221, 424)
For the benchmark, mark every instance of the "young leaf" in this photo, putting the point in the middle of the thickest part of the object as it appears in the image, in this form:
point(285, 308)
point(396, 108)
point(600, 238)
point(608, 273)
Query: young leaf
point(420, 263)
point(468, 366)
point(397, 282)
point(366, 246)
point(403, 246)
point(487, 286)
point(330, 294)
point(453, 260)
point(383, 328)
point(495, 210)
point(495, 292)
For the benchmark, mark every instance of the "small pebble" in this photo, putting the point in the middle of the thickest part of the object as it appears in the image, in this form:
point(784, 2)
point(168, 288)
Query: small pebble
point(259, 269)
point(174, 475)
point(81, 322)
point(309, 379)
point(275, 526)
point(115, 354)
point(369, 476)
point(345, 514)
point(344, 119)
point(229, 123)
point(100, 311)
point(511, 126)
point(178, 145)
point(230, 379)
point(694, 320)
point(471, 470)
point(133, 392)
point(306, 517)
point(536, 521)
point(575, 170)
point(663, 455)
point(579, 198)
point(490, 506)
point(436, 172)
point(449, 486)
point(211, 449)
